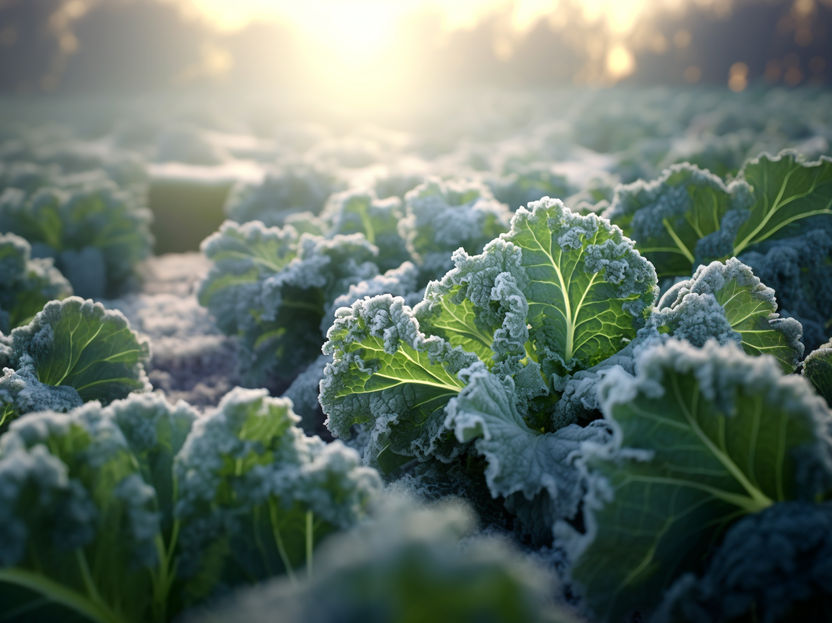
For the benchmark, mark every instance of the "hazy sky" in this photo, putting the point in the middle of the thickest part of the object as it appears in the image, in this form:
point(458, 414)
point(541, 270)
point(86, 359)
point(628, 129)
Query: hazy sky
point(372, 15)
point(363, 51)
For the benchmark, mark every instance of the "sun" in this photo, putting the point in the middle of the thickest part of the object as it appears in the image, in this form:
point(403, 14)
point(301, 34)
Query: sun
point(354, 31)
point(350, 49)
point(356, 50)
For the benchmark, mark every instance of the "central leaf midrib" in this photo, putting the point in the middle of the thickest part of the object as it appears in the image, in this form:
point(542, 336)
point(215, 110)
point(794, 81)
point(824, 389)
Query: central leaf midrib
point(678, 241)
point(438, 381)
point(735, 499)
point(778, 204)
point(405, 381)
point(474, 333)
point(254, 257)
point(564, 292)
point(758, 499)
point(74, 358)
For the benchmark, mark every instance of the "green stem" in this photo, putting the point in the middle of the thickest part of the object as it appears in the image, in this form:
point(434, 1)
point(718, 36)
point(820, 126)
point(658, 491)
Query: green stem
point(60, 594)
point(310, 540)
point(278, 539)
point(7, 411)
point(167, 573)
point(86, 576)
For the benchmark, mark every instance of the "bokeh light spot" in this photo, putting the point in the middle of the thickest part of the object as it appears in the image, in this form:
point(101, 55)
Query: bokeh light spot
point(620, 62)
point(738, 77)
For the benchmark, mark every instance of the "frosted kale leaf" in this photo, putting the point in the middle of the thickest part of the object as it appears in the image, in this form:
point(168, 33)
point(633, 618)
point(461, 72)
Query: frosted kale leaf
point(817, 367)
point(407, 563)
point(689, 216)
point(361, 212)
point(441, 217)
point(26, 284)
point(771, 566)
point(786, 191)
point(669, 216)
point(726, 301)
point(272, 287)
point(72, 351)
point(702, 437)
point(96, 234)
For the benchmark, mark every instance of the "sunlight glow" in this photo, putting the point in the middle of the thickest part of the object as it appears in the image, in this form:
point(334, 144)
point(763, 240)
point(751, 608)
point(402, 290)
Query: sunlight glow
point(619, 15)
point(620, 62)
point(354, 49)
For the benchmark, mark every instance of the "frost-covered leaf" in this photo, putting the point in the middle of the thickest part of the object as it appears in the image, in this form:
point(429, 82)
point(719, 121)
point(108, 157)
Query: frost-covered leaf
point(799, 268)
point(771, 567)
point(560, 289)
point(81, 344)
point(587, 288)
point(388, 379)
point(479, 307)
point(72, 351)
point(689, 216)
point(272, 287)
point(725, 301)
point(817, 367)
point(669, 216)
point(21, 392)
point(361, 212)
point(786, 190)
point(155, 432)
point(257, 495)
point(26, 284)
point(243, 255)
point(519, 459)
point(441, 217)
point(702, 437)
point(96, 233)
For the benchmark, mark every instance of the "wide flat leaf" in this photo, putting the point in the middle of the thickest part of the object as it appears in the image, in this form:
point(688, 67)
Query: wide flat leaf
point(26, 284)
point(668, 217)
point(799, 269)
point(587, 288)
point(361, 212)
point(388, 379)
point(786, 190)
point(728, 294)
point(479, 307)
point(817, 367)
point(689, 216)
point(271, 287)
point(519, 459)
point(702, 438)
point(772, 567)
point(85, 346)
